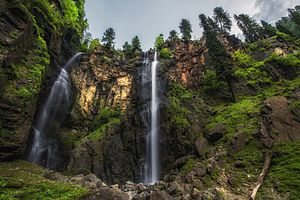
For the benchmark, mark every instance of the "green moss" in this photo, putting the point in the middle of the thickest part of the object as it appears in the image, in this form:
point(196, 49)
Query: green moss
point(188, 166)
point(211, 85)
point(288, 61)
point(177, 111)
point(284, 174)
point(29, 72)
point(102, 130)
point(22, 180)
point(250, 70)
point(240, 116)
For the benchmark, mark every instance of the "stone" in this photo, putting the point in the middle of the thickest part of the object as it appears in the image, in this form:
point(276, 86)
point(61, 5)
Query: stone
point(202, 145)
point(159, 195)
point(278, 122)
point(238, 142)
point(106, 194)
point(216, 133)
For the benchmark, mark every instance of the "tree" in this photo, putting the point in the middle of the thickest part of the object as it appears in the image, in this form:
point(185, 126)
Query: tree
point(94, 44)
point(186, 30)
point(251, 29)
point(108, 38)
point(294, 14)
point(268, 29)
point(127, 49)
point(136, 44)
point(219, 58)
point(173, 36)
point(222, 19)
point(159, 42)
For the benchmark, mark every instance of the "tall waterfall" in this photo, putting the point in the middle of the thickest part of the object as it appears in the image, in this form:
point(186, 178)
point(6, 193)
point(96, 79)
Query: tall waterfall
point(44, 146)
point(150, 116)
point(154, 128)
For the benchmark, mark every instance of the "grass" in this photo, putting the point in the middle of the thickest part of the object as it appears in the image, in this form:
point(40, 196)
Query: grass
point(22, 180)
point(240, 116)
point(284, 174)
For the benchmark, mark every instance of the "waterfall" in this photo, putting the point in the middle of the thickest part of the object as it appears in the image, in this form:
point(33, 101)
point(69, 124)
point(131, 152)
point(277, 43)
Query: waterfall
point(154, 128)
point(44, 146)
point(150, 116)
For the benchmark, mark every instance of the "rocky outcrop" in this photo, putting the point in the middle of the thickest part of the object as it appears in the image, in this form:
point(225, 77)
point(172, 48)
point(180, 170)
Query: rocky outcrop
point(16, 109)
point(188, 67)
point(279, 122)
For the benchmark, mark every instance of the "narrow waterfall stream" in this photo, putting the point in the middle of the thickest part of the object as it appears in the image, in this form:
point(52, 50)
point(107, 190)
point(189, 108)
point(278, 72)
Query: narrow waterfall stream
point(44, 146)
point(154, 127)
point(150, 93)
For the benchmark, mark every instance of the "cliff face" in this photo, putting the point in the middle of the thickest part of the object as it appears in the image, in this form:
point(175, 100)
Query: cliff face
point(32, 46)
point(211, 147)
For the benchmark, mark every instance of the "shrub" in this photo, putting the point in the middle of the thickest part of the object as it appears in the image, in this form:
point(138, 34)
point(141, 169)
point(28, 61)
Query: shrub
point(166, 53)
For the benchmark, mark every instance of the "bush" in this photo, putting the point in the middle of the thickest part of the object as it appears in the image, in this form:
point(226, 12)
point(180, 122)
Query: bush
point(166, 53)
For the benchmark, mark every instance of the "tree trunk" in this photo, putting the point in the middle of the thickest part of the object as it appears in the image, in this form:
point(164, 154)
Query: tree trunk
point(263, 174)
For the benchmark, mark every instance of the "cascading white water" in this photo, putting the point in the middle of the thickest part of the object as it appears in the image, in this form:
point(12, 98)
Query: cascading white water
point(44, 147)
point(154, 128)
point(149, 76)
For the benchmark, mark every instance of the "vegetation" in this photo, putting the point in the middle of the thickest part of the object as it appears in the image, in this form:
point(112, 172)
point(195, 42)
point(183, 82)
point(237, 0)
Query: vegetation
point(108, 38)
point(186, 30)
point(240, 116)
point(159, 42)
point(22, 180)
point(251, 29)
point(284, 176)
point(222, 20)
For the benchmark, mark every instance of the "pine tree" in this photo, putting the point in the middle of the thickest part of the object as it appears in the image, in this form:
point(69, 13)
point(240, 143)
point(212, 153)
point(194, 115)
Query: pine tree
point(294, 14)
point(268, 29)
point(186, 30)
point(251, 29)
point(173, 36)
point(108, 38)
point(136, 44)
point(222, 19)
point(127, 49)
point(218, 56)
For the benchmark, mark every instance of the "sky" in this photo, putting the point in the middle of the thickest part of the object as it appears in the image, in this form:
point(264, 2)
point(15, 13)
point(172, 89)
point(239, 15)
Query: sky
point(149, 18)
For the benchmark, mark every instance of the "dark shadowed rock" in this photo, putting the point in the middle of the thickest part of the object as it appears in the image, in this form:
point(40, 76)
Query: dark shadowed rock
point(238, 142)
point(202, 145)
point(216, 133)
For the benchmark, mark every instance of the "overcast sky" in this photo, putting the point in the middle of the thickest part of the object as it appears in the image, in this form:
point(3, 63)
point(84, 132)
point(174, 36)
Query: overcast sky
point(148, 18)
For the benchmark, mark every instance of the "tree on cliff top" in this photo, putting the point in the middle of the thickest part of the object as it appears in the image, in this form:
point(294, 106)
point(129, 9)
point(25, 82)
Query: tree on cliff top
point(222, 19)
point(186, 30)
point(251, 29)
point(159, 42)
point(108, 38)
point(173, 36)
point(136, 44)
point(218, 56)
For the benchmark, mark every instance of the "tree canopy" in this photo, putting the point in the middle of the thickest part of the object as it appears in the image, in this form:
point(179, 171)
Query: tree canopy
point(185, 29)
point(108, 38)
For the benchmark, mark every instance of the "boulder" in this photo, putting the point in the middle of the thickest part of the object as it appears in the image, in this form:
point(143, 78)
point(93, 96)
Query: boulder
point(202, 145)
point(106, 194)
point(278, 122)
point(216, 133)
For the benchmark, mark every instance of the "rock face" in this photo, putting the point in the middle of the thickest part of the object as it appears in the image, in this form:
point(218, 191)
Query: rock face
point(104, 87)
point(279, 122)
point(188, 67)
